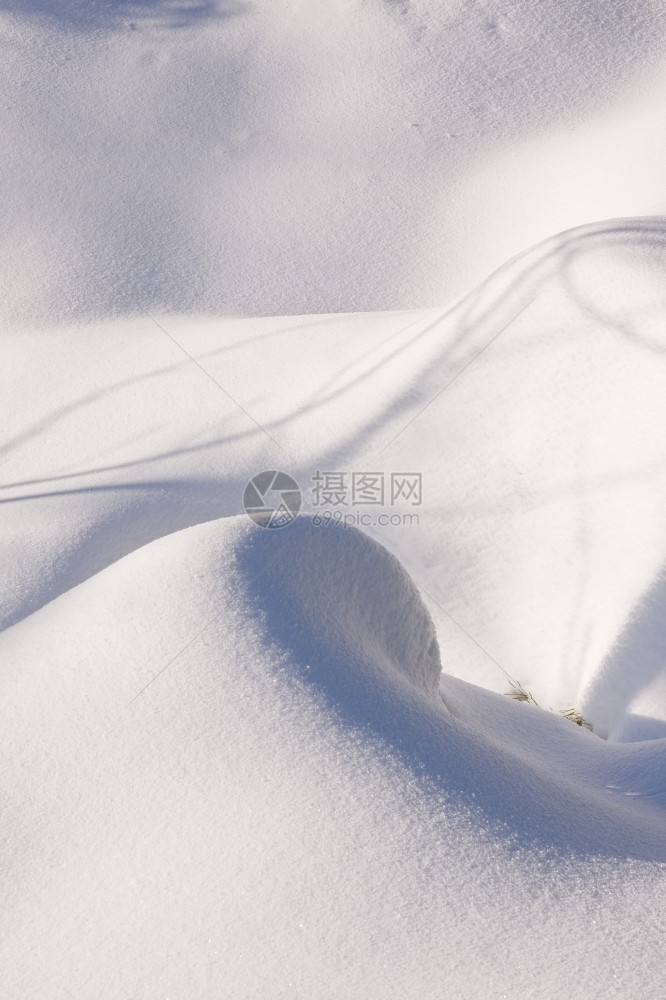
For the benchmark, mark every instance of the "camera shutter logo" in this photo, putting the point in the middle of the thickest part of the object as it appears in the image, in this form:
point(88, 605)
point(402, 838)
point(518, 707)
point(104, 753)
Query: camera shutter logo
point(272, 499)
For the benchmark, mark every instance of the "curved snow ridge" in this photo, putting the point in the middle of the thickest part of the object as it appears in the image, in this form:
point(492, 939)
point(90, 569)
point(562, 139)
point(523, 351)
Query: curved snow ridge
point(333, 595)
point(298, 632)
point(168, 773)
point(633, 241)
point(336, 598)
point(611, 272)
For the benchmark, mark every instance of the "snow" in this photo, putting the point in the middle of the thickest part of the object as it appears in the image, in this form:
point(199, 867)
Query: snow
point(352, 237)
point(239, 779)
point(290, 156)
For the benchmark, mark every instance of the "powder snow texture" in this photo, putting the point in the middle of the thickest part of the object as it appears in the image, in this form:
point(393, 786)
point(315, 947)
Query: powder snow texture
point(295, 156)
point(532, 410)
point(253, 764)
point(228, 768)
point(219, 822)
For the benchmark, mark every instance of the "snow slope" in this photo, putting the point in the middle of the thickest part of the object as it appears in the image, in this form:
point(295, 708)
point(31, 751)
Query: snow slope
point(241, 781)
point(228, 766)
point(273, 763)
point(288, 156)
point(541, 535)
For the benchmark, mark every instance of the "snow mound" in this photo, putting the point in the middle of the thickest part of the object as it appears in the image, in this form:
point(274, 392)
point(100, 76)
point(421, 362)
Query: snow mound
point(228, 773)
point(252, 763)
point(541, 539)
point(336, 600)
point(341, 598)
point(330, 614)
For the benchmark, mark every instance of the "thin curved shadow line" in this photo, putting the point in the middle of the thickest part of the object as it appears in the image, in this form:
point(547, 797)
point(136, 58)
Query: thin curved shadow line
point(58, 414)
point(466, 306)
point(454, 378)
point(597, 314)
point(219, 385)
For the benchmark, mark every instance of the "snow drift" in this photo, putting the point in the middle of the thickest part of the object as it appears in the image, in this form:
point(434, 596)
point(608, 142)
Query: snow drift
point(541, 537)
point(228, 771)
point(275, 763)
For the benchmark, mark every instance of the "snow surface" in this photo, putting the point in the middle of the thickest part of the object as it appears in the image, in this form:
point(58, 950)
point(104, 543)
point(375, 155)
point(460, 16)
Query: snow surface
point(274, 763)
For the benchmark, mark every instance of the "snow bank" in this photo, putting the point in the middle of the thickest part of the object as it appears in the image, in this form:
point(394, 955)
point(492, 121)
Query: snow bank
point(254, 763)
point(227, 772)
point(541, 535)
point(345, 599)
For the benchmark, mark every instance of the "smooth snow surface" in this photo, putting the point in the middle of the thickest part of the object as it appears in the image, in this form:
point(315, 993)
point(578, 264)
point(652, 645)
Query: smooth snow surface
point(299, 156)
point(253, 763)
point(288, 807)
